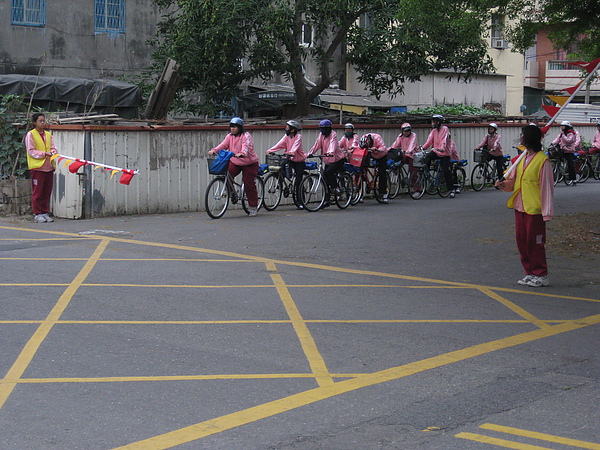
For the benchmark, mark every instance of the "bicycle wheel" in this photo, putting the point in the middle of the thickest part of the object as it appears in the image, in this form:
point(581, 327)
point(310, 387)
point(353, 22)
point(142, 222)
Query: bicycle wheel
point(394, 181)
point(417, 184)
point(216, 198)
point(313, 193)
point(272, 191)
point(461, 177)
point(583, 172)
point(478, 177)
point(260, 191)
point(357, 190)
point(378, 196)
point(557, 170)
point(343, 197)
point(596, 168)
point(431, 187)
point(403, 175)
point(442, 187)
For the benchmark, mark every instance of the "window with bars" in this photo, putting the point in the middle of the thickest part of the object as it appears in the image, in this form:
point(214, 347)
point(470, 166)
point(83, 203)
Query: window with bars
point(28, 12)
point(109, 16)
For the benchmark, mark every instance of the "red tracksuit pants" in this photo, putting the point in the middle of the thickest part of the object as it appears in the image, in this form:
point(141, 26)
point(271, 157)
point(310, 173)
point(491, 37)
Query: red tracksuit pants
point(530, 232)
point(41, 190)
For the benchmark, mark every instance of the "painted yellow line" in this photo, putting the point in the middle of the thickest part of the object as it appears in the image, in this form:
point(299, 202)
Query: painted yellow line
point(258, 376)
point(540, 292)
point(499, 442)
point(243, 417)
point(541, 436)
point(30, 349)
point(132, 259)
point(315, 360)
point(515, 308)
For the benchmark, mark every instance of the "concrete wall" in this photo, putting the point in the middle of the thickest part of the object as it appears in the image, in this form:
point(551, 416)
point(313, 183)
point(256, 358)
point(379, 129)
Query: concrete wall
point(173, 168)
point(68, 45)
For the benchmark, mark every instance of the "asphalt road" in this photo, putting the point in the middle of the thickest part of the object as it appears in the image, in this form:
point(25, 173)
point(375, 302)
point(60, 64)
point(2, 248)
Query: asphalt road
point(381, 326)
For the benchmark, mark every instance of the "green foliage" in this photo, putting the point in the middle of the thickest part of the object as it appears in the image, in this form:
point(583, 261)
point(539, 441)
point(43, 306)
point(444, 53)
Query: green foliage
point(13, 160)
point(221, 44)
point(573, 26)
point(454, 110)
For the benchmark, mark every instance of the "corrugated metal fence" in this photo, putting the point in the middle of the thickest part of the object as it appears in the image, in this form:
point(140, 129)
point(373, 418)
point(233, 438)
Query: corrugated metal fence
point(173, 169)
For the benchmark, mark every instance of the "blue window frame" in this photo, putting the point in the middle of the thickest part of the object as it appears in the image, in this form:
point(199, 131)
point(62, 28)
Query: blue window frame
point(28, 12)
point(109, 16)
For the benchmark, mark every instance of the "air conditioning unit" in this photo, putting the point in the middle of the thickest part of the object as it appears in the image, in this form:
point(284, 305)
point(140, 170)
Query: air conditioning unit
point(499, 43)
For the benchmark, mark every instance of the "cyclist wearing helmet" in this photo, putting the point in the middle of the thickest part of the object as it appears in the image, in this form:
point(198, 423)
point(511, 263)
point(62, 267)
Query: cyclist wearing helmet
point(244, 160)
point(595, 148)
point(569, 141)
point(439, 139)
point(491, 142)
point(328, 144)
point(350, 139)
point(407, 143)
point(375, 144)
point(291, 143)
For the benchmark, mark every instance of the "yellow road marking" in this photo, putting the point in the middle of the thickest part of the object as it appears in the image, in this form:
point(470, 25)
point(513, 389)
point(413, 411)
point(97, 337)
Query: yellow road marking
point(229, 421)
point(517, 309)
point(499, 442)
point(30, 349)
point(541, 436)
point(315, 360)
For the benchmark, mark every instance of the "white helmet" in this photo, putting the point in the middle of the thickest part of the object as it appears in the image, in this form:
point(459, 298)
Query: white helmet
point(565, 123)
point(493, 125)
point(349, 125)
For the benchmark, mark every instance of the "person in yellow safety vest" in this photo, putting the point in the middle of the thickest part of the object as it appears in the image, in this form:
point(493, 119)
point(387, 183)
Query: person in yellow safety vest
point(39, 144)
point(532, 185)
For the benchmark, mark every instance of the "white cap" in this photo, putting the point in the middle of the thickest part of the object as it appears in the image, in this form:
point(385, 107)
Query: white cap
point(565, 123)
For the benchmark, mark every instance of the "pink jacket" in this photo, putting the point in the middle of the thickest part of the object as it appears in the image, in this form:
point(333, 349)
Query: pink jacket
point(292, 146)
point(348, 145)
point(438, 138)
point(328, 145)
point(407, 144)
point(239, 144)
point(596, 141)
point(379, 150)
point(493, 144)
point(570, 143)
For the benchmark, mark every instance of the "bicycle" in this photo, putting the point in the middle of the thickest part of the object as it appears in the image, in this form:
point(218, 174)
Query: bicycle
point(314, 192)
point(594, 163)
point(223, 189)
point(366, 179)
point(426, 179)
point(277, 184)
point(458, 173)
point(583, 168)
point(483, 173)
point(397, 177)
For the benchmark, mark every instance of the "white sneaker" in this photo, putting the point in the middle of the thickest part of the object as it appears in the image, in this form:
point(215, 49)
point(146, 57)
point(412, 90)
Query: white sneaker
point(39, 218)
point(385, 199)
point(452, 194)
point(253, 211)
point(524, 281)
point(538, 281)
point(48, 218)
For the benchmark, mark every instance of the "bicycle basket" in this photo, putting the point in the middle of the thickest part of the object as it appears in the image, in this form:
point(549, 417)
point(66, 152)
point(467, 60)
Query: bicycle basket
point(555, 152)
point(274, 161)
point(419, 158)
point(481, 155)
point(395, 155)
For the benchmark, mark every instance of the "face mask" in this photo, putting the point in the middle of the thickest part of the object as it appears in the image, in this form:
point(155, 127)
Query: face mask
point(349, 134)
point(325, 131)
point(288, 131)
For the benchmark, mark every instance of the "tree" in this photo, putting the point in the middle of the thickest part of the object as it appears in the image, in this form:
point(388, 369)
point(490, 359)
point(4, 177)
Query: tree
point(221, 44)
point(574, 26)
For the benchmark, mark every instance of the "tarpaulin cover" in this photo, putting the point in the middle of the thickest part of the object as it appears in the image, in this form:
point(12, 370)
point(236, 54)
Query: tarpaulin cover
point(75, 94)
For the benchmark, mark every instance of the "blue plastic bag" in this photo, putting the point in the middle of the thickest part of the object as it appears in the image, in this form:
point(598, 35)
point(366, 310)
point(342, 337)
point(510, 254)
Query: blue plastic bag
point(221, 162)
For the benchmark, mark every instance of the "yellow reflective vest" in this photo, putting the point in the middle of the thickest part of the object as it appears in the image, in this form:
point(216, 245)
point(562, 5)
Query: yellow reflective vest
point(42, 146)
point(527, 181)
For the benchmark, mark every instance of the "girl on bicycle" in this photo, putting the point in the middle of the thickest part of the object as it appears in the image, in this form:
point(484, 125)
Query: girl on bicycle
point(349, 141)
point(374, 142)
point(569, 141)
point(244, 160)
point(532, 184)
point(407, 142)
point(328, 144)
point(439, 139)
point(291, 143)
point(595, 148)
point(491, 142)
